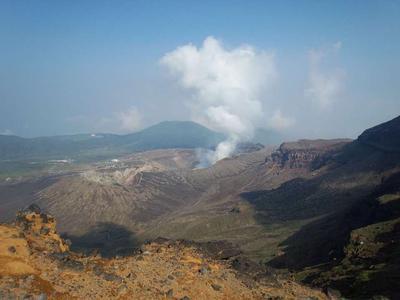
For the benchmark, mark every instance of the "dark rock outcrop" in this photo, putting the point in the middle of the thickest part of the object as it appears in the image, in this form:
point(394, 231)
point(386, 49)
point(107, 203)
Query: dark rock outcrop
point(306, 154)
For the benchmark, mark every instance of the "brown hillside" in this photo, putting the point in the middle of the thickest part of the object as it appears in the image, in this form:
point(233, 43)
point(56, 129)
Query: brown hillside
point(37, 264)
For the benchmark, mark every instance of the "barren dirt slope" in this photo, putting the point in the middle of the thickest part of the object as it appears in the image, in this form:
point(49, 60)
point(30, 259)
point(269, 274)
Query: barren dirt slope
point(36, 262)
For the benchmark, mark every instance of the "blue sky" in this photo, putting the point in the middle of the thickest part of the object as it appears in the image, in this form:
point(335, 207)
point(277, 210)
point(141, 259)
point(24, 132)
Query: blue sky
point(83, 66)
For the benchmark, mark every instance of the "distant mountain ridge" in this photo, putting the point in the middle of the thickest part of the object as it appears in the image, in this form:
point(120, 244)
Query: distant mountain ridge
point(327, 210)
point(384, 136)
point(168, 134)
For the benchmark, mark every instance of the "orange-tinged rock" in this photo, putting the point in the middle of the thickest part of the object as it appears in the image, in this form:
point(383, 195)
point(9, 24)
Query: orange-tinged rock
point(14, 252)
point(34, 224)
point(191, 260)
point(33, 248)
point(15, 266)
point(11, 244)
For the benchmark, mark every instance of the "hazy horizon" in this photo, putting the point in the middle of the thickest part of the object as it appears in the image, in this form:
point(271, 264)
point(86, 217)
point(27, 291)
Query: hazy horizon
point(285, 136)
point(315, 70)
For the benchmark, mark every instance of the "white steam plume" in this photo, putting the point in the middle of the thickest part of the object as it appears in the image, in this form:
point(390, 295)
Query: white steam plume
point(226, 86)
point(279, 122)
point(129, 120)
point(325, 85)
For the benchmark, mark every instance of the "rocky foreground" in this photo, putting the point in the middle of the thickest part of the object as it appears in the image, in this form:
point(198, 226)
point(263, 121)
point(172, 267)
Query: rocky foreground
point(35, 263)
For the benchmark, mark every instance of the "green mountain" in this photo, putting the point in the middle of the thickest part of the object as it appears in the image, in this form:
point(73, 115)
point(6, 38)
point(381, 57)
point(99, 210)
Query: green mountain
point(172, 134)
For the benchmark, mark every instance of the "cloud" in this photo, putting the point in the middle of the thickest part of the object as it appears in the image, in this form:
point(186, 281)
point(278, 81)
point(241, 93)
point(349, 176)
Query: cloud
point(324, 84)
point(337, 46)
point(226, 86)
point(279, 122)
point(126, 121)
point(6, 132)
point(129, 120)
